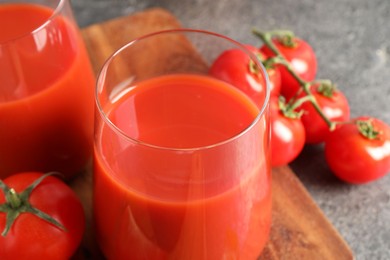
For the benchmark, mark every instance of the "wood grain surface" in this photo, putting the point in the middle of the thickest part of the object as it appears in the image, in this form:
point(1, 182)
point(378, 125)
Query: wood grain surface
point(299, 228)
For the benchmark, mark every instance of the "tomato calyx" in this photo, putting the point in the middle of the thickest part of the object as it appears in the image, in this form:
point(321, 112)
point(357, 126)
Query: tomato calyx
point(18, 203)
point(287, 109)
point(253, 67)
point(285, 37)
point(326, 88)
point(367, 129)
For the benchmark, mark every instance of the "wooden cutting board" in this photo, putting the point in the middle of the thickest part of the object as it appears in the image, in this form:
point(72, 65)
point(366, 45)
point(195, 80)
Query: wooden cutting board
point(299, 228)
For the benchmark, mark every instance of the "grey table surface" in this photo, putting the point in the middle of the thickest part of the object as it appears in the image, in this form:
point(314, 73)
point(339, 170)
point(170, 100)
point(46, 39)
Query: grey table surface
point(352, 41)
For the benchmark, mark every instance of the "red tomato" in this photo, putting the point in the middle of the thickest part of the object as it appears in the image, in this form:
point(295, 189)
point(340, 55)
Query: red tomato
point(335, 107)
point(31, 237)
point(235, 67)
point(356, 158)
point(303, 60)
point(287, 136)
point(275, 80)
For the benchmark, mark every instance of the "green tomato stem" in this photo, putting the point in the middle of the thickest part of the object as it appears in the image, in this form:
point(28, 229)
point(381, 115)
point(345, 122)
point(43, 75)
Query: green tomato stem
point(367, 129)
point(13, 199)
point(287, 110)
point(298, 102)
point(285, 37)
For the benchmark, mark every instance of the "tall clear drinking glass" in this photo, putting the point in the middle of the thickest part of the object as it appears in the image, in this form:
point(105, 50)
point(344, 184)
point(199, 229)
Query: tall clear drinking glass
point(46, 89)
point(181, 164)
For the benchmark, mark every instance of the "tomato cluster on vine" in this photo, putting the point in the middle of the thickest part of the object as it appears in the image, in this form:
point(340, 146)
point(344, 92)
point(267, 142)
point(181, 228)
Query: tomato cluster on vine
point(307, 111)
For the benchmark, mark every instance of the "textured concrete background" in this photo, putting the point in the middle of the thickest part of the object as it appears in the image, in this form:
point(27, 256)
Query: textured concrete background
point(352, 42)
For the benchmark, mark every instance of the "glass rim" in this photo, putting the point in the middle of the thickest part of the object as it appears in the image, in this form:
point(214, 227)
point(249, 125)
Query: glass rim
point(59, 7)
point(100, 79)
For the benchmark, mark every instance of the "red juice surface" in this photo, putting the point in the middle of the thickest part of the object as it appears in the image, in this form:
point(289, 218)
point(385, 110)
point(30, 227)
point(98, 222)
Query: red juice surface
point(160, 203)
point(46, 93)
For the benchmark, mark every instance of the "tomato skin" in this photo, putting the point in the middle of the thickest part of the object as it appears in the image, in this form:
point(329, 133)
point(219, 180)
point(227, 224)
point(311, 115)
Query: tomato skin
point(302, 59)
point(233, 66)
point(287, 136)
point(356, 159)
point(275, 80)
point(30, 237)
point(335, 108)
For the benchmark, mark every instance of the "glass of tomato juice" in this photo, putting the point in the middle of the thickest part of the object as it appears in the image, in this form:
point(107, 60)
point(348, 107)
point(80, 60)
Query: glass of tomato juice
point(46, 89)
point(181, 163)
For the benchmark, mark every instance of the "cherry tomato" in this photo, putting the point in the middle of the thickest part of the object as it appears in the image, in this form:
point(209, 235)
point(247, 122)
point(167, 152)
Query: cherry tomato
point(335, 107)
point(287, 135)
point(359, 152)
point(30, 236)
point(235, 67)
point(302, 58)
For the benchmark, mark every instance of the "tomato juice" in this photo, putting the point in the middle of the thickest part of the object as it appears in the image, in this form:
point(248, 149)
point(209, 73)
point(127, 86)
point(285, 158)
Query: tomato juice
point(181, 172)
point(46, 92)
